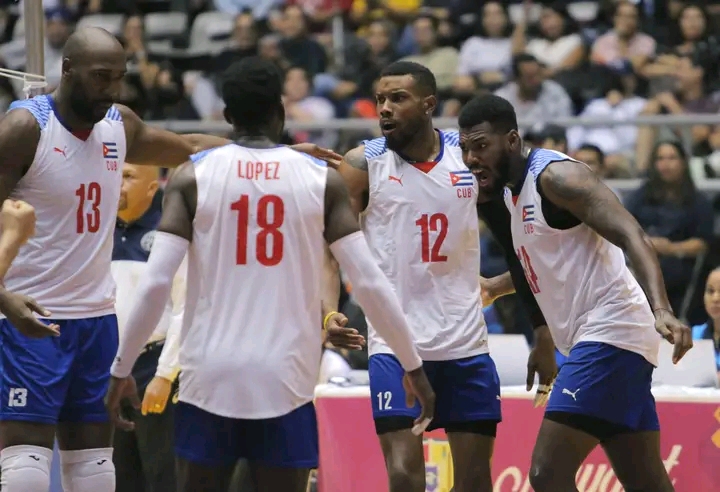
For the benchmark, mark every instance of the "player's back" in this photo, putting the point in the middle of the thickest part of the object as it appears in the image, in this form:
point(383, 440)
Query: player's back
point(251, 339)
point(422, 227)
point(580, 280)
point(74, 185)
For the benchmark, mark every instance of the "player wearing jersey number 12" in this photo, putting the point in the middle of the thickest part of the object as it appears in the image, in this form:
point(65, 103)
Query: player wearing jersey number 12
point(250, 362)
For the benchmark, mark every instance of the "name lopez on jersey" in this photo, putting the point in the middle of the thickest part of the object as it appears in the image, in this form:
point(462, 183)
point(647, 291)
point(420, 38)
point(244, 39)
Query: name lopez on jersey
point(258, 170)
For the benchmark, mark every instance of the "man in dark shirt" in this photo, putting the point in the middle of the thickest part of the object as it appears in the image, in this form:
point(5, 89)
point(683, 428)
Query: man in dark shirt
point(144, 457)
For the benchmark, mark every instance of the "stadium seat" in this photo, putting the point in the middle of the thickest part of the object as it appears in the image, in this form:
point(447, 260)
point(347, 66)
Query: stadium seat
point(583, 12)
point(510, 353)
point(110, 22)
point(165, 25)
point(210, 30)
point(697, 369)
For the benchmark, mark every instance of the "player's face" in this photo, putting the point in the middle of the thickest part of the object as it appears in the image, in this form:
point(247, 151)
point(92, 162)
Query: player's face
point(712, 295)
point(96, 85)
point(403, 112)
point(487, 154)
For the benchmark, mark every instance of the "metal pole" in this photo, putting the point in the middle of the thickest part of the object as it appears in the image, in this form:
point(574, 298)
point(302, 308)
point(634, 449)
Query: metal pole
point(338, 36)
point(34, 18)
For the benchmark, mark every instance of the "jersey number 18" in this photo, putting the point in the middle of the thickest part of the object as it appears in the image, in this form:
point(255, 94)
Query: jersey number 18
point(269, 229)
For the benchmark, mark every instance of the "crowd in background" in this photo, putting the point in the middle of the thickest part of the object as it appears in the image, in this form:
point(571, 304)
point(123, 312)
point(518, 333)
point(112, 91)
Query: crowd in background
point(611, 59)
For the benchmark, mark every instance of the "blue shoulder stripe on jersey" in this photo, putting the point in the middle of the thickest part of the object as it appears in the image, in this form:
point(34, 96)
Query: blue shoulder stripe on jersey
point(39, 106)
point(375, 147)
point(113, 114)
point(198, 156)
point(314, 160)
point(452, 138)
point(540, 159)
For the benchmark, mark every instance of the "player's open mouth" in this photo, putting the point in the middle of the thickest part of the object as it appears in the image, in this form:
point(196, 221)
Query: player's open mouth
point(482, 176)
point(387, 126)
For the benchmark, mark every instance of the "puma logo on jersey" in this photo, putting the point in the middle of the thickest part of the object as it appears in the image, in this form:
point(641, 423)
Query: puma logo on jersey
point(566, 391)
point(61, 151)
point(101, 462)
point(36, 458)
point(396, 179)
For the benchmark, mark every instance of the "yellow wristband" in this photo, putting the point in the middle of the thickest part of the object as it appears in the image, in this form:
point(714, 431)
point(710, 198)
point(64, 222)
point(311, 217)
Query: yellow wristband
point(327, 318)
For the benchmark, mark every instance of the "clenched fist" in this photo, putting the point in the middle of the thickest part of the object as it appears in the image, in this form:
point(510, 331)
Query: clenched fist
point(18, 221)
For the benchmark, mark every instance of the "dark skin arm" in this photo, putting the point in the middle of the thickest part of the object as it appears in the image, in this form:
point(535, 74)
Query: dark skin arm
point(180, 203)
point(575, 188)
point(354, 171)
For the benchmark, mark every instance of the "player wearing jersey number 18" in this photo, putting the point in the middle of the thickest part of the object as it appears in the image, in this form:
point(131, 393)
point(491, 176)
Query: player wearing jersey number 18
point(572, 234)
point(255, 215)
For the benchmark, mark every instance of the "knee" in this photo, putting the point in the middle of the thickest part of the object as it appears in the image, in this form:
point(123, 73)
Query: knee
point(543, 478)
point(405, 478)
point(88, 470)
point(25, 469)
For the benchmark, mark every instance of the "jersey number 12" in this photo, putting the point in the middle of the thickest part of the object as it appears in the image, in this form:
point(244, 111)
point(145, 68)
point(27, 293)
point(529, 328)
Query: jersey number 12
point(269, 229)
point(92, 193)
point(435, 223)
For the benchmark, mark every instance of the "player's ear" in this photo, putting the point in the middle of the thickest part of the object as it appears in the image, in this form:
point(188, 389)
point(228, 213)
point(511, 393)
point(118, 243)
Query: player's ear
point(429, 105)
point(66, 66)
point(514, 141)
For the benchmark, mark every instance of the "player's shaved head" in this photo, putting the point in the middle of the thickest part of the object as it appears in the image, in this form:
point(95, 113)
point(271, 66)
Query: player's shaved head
point(94, 64)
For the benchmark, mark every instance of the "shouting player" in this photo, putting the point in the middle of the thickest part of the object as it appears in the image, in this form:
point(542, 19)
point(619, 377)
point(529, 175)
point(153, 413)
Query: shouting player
point(418, 205)
point(255, 217)
point(571, 234)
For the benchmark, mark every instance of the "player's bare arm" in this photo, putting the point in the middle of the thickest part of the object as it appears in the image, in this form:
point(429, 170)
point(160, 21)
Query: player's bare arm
point(354, 171)
point(494, 288)
point(169, 249)
point(374, 292)
point(19, 137)
point(575, 188)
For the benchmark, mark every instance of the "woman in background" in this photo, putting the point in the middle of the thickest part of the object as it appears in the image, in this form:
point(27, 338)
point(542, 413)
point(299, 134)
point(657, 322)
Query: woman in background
point(711, 329)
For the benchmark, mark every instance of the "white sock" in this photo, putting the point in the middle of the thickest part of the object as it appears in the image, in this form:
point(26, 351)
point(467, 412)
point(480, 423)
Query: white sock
point(88, 470)
point(25, 469)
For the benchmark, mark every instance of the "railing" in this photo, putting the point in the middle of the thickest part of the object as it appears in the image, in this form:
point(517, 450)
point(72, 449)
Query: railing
point(685, 122)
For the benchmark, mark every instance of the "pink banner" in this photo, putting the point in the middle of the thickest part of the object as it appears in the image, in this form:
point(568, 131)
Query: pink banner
point(351, 461)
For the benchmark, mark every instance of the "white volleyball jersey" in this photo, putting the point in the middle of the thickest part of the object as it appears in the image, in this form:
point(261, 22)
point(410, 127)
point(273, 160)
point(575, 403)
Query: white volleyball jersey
point(251, 338)
point(74, 185)
point(580, 279)
point(422, 227)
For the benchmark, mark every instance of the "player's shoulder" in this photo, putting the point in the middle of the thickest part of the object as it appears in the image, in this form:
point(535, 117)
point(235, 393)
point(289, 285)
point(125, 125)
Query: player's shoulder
point(203, 155)
point(451, 138)
point(540, 159)
point(38, 108)
point(373, 148)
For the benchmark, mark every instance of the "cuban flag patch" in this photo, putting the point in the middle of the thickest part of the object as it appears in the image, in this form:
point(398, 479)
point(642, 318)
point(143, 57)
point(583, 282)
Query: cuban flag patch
point(461, 179)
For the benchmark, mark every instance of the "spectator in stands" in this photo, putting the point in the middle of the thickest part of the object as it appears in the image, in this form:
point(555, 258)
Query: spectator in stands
point(696, 39)
point(442, 61)
point(269, 48)
point(296, 46)
point(302, 107)
point(624, 42)
point(594, 157)
point(399, 11)
point(676, 217)
point(558, 45)
point(711, 329)
point(319, 12)
point(553, 137)
point(243, 42)
point(533, 97)
point(259, 9)
point(57, 30)
point(485, 59)
point(689, 97)
point(617, 141)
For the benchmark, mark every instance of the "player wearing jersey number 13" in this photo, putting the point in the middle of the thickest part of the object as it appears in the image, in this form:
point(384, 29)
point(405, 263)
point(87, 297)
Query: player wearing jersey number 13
point(250, 359)
point(572, 233)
